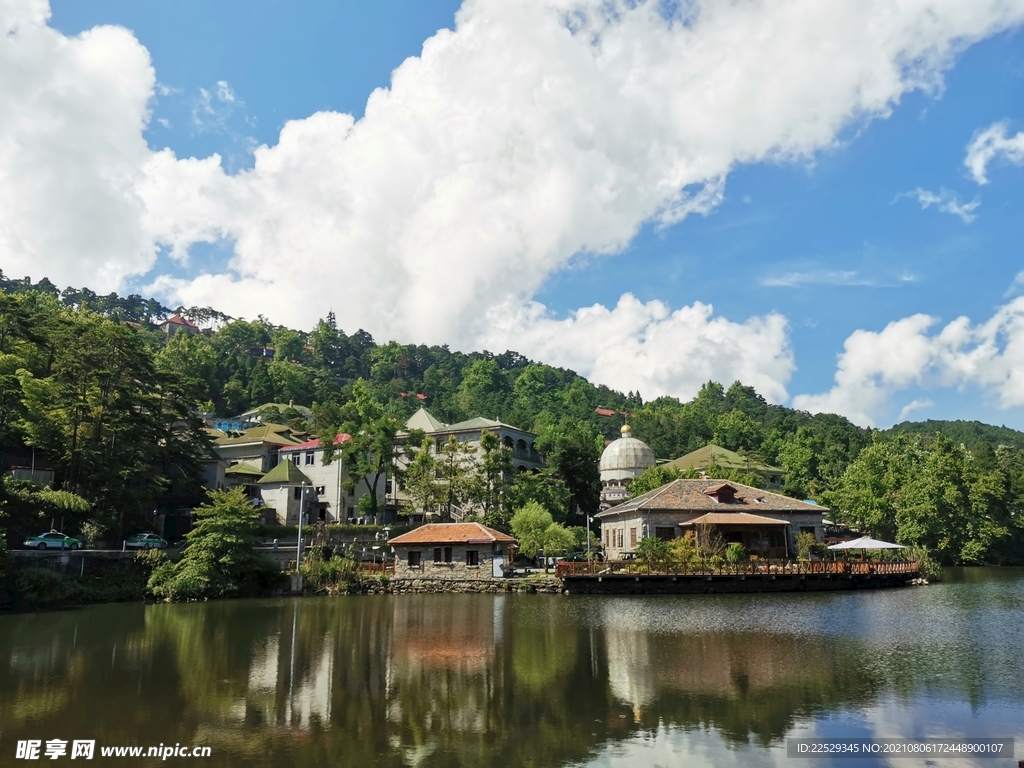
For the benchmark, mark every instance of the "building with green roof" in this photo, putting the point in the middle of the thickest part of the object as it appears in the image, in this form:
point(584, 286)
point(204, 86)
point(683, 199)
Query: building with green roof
point(710, 456)
point(286, 490)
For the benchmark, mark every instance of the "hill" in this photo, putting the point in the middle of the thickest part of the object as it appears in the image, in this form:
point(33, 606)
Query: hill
point(968, 433)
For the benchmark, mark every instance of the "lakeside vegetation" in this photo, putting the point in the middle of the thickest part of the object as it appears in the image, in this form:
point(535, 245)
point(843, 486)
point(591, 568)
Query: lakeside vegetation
point(90, 387)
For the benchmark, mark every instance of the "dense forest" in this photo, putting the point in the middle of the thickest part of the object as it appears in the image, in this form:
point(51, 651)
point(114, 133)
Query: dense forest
point(90, 385)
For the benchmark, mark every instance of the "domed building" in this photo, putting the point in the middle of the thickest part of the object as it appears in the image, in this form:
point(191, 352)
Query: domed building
point(622, 460)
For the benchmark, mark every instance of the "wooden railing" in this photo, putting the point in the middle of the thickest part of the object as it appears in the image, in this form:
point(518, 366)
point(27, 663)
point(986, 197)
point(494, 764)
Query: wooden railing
point(758, 568)
point(383, 568)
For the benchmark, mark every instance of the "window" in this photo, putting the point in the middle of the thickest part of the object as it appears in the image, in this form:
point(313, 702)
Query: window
point(447, 554)
point(807, 529)
point(665, 534)
point(309, 459)
point(320, 490)
point(632, 537)
point(472, 557)
point(620, 538)
point(606, 537)
point(297, 492)
point(437, 554)
point(414, 558)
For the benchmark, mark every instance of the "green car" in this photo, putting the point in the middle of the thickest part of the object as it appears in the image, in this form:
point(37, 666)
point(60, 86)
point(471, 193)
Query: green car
point(146, 541)
point(53, 540)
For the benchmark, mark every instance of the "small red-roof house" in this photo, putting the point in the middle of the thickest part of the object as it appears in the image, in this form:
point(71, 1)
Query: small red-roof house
point(176, 323)
point(454, 551)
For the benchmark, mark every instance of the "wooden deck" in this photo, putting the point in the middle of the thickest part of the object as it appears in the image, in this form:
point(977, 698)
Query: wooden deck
point(632, 578)
point(834, 567)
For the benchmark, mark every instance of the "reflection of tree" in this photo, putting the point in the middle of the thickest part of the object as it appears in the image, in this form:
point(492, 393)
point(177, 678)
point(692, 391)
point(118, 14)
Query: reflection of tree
point(452, 680)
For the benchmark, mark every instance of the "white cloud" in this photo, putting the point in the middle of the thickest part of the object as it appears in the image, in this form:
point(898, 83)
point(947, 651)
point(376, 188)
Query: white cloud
point(508, 146)
point(512, 144)
point(913, 405)
point(993, 144)
point(906, 353)
point(945, 201)
point(648, 347)
point(72, 112)
point(835, 277)
point(1015, 286)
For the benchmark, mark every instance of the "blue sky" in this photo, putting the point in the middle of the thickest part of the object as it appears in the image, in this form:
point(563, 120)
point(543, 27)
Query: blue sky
point(833, 241)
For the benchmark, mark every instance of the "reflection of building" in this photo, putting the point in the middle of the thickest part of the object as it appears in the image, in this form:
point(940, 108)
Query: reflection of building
point(715, 456)
point(622, 460)
point(451, 551)
point(765, 523)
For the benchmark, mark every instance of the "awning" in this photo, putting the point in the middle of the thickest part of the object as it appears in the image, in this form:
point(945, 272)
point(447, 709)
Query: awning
point(733, 518)
point(866, 542)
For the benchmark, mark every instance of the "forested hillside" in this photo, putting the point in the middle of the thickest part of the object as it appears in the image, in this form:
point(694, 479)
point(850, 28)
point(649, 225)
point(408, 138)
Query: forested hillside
point(112, 402)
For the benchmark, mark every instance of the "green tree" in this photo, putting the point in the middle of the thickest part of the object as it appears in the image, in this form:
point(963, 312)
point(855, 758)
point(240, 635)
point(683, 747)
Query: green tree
point(530, 525)
point(573, 449)
point(484, 390)
point(220, 559)
point(369, 453)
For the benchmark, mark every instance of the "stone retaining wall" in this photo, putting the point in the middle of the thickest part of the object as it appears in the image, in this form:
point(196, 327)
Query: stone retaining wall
point(374, 585)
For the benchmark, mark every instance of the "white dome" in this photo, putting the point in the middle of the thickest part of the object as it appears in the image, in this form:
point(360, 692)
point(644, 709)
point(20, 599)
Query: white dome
point(626, 457)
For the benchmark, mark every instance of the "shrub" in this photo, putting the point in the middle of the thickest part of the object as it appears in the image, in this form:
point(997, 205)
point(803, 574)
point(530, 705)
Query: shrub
point(805, 542)
point(331, 576)
point(735, 553)
point(928, 567)
point(41, 585)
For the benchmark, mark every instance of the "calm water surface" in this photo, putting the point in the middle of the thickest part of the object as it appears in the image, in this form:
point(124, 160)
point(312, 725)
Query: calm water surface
point(520, 680)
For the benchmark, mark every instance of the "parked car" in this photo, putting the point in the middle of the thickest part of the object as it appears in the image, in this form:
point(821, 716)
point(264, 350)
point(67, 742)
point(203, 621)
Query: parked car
point(582, 557)
point(52, 540)
point(146, 541)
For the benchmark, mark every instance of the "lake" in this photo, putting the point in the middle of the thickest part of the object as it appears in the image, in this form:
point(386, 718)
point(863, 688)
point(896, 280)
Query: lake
point(523, 680)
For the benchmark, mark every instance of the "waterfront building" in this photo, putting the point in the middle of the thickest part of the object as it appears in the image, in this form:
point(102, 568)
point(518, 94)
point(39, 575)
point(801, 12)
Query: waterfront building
point(765, 523)
point(452, 551)
point(622, 460)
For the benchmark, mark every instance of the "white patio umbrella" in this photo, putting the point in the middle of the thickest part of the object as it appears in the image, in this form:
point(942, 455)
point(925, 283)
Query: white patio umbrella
point(866, 542)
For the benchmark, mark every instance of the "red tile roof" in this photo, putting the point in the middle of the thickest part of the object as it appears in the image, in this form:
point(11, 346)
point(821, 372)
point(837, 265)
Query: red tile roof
point(342, 438)
point(604, 411)
point(693, 496)
point(179, 320)
point(453, 533)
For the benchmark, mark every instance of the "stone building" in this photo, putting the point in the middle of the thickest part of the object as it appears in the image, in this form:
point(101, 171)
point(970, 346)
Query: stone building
point(331, 499)
point(452, 551)
point(765, 523)
point(622, 460)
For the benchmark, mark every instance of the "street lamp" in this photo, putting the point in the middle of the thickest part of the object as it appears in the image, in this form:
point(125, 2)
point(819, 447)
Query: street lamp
point(589, 521)
point(298, 546)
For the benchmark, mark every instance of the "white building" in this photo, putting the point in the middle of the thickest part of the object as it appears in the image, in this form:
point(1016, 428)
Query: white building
point(622, 460)
point(329, 500)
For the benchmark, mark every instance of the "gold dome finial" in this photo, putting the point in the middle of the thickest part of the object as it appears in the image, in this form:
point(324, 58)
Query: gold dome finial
point(626, 429)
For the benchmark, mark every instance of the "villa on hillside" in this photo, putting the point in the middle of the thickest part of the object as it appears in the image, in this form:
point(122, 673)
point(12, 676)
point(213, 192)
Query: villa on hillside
point(765, 523)
point(178, 324)
point(519, 443)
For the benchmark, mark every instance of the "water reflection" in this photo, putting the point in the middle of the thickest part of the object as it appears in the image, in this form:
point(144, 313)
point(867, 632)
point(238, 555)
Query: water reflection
point(505, 680)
